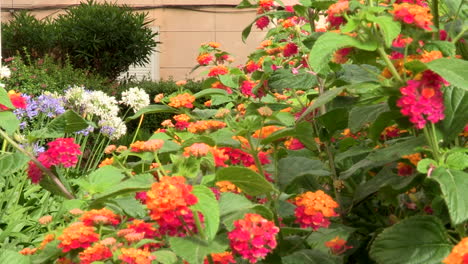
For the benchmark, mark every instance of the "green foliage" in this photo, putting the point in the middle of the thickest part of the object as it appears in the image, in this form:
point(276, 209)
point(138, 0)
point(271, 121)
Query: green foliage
point(27, 35)
point(33, 76)
point(416, 240)
point(105, 38)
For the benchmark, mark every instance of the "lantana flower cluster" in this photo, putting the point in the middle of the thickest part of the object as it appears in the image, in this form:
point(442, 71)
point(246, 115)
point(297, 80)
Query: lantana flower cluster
point(253, 237)
point(168, 202)
point(61, 151)
point(314, 209)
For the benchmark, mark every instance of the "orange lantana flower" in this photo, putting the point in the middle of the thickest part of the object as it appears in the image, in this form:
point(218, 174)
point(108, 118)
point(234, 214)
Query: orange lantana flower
point(182, 100)
point(459, 254)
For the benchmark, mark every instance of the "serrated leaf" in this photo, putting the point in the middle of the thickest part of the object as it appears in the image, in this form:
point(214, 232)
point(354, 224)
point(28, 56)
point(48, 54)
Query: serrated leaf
point(11, 256)
point(103, 179)
point(454, 71)
point(246, 31)
point(453, 184)
point(210, 91)
point(12, 162)
point(165, 257)
point(390, 28)
point(384, 178)
point(67, 122)
point(284, 78)
point(416, 240)
point(291, 168)
point(247, 180)
point(209, 207)
point(9, 122)
point(361, 115)
point(456, 109)
point(194, 250)
point(139, 182)
point(330, 42)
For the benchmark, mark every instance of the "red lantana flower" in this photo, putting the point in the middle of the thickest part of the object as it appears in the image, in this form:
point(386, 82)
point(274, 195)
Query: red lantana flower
point(77, 235)
point(253, 237)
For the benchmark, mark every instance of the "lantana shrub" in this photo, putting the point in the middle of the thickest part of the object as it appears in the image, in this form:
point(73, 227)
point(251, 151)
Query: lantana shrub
point(337, 144)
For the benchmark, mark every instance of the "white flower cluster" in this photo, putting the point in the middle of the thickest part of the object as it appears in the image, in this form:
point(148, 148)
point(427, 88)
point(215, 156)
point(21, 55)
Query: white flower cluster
point(136, 98)
point(96, 103)
point(4, 72)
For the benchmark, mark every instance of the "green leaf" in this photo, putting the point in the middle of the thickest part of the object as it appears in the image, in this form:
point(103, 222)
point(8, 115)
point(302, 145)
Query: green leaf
point(67, 122)
point(291, 168)
point(187, 166)
point(310, 256)
point(334, 120)
point(446, 47)
point(103, 179)
point(381, 156)
point(10, 256)
point(151, 109)
point(323, 99)
point(130, 206)
point(385, 177)
point(50, 253)
point(389, 28)
point(416, 240)
point(330, 42)
point(229, 80)
point(235, 206)
point(456, 109)
point(318, 238)
point(194, 250)
point(139, 182)
point(381, 122)
point(353, 74)
point(457, 8)
point(165, 257)
point(304, 130)
point(209, 207)
point(457, 161)
point(5, 99)
point(210, 91)
point(247, 180)
point(361, 115)
point(453, 184)
point(246, 31)
point(284, 78)
point(454, 71)
point(245, 4)
point(9, 122)
point(12, 162)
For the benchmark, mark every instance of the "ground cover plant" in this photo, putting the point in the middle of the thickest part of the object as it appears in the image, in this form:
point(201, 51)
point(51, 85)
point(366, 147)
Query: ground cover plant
point(344, 144)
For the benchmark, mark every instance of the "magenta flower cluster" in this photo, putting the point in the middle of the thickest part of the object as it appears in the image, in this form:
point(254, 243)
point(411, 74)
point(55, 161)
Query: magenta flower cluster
point(253, 237)
point(422, 100)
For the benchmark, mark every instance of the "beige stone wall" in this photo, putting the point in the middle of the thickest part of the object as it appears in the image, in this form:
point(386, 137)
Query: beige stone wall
point(181, 30)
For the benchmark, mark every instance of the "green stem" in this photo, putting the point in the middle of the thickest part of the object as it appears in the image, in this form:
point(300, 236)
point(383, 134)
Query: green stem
point(435, 13)
point(160, 168)
point(46, 171)
point(389, 63)
point(311, 14)
point(435, 142)
point(459, 36)
point(138, 128)
point(200, 229)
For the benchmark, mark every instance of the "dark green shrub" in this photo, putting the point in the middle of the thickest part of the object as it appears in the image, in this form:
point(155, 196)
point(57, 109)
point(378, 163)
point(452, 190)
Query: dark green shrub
point(39, 75)
point(25, 34)
point(105, 37)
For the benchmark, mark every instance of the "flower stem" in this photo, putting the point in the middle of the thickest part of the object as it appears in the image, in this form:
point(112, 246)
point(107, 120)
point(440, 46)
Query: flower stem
point(200, 229)
point(49, 173)
point(138, 128)
point(389, 63)
point(435, 13)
